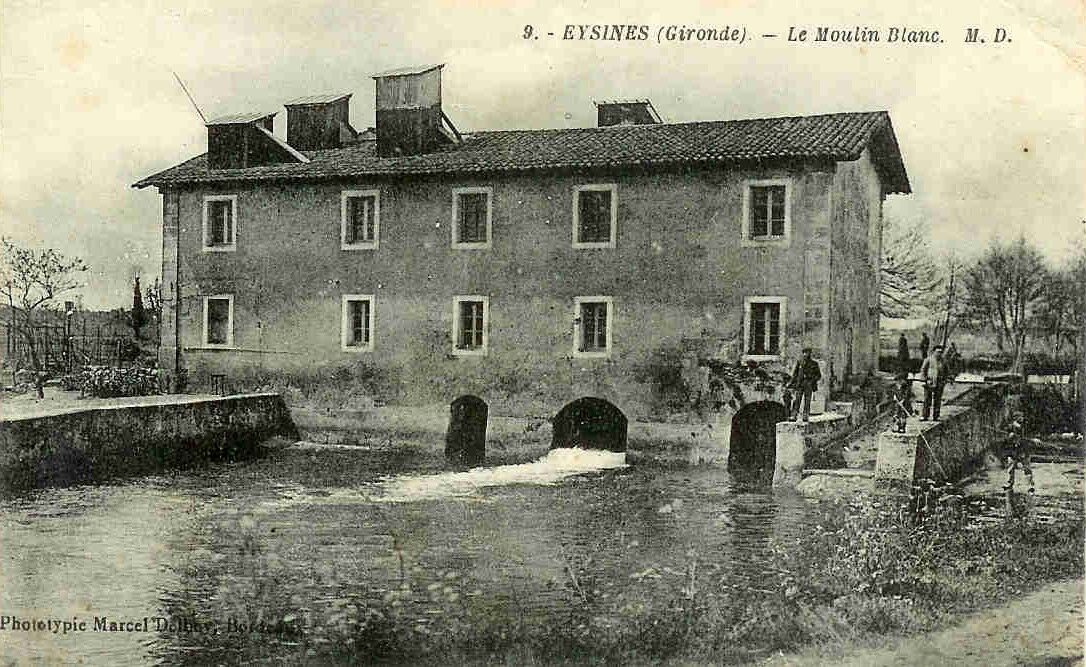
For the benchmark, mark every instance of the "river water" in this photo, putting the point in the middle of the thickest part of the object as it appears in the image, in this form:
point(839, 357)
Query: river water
point(185, 563)
point(308, 529)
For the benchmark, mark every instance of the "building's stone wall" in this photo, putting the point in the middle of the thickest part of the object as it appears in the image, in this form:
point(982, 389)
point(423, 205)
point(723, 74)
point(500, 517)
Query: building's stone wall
point(854, 267)
point(678, 272)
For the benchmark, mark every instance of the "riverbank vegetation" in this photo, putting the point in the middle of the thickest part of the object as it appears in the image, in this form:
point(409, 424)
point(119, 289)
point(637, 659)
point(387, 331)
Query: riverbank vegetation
point(873, 567)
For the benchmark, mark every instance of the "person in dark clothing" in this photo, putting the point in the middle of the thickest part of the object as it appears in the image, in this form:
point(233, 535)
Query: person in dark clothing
point(805, 379)
point(1018, 450)
point(924, 345)
point(903, 396)
point(953, 362)
point(933, 375)
point(902, 354)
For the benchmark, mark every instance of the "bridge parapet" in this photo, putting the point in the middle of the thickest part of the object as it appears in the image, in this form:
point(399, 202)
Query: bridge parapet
point(942, 451)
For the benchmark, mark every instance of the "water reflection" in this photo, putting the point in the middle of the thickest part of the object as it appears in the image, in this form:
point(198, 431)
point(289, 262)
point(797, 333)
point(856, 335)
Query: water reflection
point(288, 540)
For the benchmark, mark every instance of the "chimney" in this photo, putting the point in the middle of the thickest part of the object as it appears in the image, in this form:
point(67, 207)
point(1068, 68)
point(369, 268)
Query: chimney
point(246, 140)
point(409, 116)
point(319, 121)
point(626, 112)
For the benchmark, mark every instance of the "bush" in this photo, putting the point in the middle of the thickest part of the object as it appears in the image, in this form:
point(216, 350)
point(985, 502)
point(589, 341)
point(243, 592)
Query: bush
point(107, 382)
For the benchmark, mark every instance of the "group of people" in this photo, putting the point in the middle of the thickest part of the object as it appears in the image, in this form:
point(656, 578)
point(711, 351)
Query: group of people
point(939, 367)
point(936, 369)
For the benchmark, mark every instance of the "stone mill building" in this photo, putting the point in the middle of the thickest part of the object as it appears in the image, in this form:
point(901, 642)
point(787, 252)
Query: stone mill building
point(635, 261)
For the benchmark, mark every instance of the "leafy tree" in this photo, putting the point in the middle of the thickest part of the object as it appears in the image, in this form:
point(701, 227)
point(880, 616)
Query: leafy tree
point(31, 280)
point(1005, 287)
point(909, 276)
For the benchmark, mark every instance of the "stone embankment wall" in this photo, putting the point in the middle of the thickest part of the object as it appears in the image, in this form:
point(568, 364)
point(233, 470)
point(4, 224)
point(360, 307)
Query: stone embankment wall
point(945, 450)
point(83, 445)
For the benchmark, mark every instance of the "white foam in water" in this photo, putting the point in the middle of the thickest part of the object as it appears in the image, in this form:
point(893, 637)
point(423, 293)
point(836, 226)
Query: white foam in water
point(555, 466)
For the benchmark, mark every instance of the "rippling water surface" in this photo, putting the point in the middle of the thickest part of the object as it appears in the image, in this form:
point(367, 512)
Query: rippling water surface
point(308, 529)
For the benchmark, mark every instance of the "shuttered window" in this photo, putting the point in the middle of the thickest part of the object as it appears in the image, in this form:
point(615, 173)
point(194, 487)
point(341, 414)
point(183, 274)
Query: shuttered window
point(220, 222)
point(360, 215)
point(594, 216)
point(219, 321)
point(593, 325)
point(357, 331)
point(767, 211)
point(472, 217)
point(470, 327)
point(765, 328)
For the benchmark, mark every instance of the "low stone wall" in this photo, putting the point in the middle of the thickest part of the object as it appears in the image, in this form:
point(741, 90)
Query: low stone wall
point(945, 450)
point(77, 445)
point(798, 441)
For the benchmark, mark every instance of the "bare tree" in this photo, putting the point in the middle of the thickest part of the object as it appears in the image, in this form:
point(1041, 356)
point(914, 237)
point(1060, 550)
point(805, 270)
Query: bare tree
point(1005, 288)
point(152, 301)
point(953, 309)
point(909, 276)
point(31, 280)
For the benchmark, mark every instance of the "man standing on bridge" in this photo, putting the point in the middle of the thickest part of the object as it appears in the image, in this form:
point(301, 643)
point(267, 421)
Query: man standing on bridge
point(805, 378)
point(902, 354)
point(933, 375)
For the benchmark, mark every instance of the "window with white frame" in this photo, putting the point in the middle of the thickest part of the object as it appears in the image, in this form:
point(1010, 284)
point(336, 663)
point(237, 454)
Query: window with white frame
point(219, 321)
point(471, 217)
point(220, 223)
point(471, 315)
point(767, 211)
point(592, 325)
point(763, 326)
point(357, 322)
point(595, 216)
point(360, 219)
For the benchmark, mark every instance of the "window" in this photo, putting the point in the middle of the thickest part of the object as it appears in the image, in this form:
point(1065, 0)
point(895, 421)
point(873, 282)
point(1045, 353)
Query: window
point(592, 324)
point(360, 217)
point(595, 216)
point(763, 328)
point(219, 321)
point(471, 217)
point(766, 212)
point(220, 223)
point(357, 325)
point(470, 322)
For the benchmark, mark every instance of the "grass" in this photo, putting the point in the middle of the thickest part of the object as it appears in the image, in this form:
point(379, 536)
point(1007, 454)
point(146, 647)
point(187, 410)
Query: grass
point(874, 567)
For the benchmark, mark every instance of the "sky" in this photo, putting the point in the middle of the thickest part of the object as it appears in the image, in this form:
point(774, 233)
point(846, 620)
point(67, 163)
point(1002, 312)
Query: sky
point(993, 136)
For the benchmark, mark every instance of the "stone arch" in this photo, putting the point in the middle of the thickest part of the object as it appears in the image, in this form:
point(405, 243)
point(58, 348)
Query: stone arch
point(590, 423)
point(753, 442)
point(465, 438)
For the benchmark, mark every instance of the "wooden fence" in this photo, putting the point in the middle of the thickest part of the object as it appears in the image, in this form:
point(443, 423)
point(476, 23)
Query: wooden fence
point(61, 353)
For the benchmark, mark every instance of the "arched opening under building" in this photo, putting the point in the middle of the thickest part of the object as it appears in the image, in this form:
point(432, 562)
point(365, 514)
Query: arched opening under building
point(590, 423)
point(465, 439)
point(753, 450)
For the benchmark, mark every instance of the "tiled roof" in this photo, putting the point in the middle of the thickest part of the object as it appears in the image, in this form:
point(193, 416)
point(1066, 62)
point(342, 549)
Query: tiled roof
point(841, 136)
